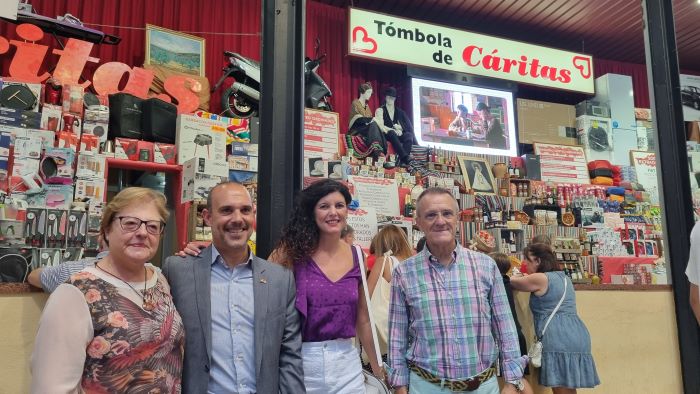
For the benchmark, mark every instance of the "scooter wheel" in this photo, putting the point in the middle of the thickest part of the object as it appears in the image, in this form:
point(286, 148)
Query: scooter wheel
point(236, 106)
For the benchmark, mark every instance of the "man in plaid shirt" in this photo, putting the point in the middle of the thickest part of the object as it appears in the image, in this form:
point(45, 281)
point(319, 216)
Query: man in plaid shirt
point(449, 317)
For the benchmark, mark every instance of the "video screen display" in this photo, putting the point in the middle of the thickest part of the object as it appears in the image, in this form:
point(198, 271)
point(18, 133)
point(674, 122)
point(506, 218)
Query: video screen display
point(464, 118)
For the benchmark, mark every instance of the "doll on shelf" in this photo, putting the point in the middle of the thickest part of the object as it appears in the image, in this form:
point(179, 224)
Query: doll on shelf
point(372, 142)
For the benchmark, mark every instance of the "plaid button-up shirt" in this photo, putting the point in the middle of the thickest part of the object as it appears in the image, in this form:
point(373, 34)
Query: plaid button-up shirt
point(451, 321)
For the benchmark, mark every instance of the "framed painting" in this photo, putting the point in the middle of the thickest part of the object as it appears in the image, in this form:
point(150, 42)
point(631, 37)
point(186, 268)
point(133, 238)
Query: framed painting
point(477, 175)
point(177, 51)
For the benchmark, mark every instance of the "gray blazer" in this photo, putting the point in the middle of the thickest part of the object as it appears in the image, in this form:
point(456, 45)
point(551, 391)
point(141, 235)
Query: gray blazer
point(278, 364)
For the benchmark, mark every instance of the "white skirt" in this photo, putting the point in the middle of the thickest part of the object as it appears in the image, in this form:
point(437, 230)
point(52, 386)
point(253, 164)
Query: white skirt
point(332, 367)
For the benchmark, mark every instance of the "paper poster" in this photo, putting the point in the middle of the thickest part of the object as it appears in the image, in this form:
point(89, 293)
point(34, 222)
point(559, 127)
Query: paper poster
point(379, 193)
point(321, 130)
point(645, 166)
point(562, 163)
point(364, 222)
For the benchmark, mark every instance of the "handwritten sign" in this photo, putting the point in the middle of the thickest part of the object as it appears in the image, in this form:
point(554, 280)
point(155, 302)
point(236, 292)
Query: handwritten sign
point(379, 193)
point(645, 166)
point(562, 163)
point(364, 222)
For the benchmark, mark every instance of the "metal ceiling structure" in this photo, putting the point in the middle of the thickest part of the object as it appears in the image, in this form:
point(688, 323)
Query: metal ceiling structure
point(606, 29)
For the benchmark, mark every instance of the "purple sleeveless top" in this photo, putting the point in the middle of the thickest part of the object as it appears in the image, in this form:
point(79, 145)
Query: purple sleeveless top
point(328, 309)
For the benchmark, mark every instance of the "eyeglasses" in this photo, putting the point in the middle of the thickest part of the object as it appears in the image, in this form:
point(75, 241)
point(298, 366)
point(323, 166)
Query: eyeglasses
point(131, 224)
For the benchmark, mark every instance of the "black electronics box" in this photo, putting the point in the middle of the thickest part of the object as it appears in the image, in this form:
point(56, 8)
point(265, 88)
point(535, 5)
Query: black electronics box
point(532, 167)
point(124, 116)
point(158, 121)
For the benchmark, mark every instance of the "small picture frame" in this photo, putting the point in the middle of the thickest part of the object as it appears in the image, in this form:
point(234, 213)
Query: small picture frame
point(335, 170)
point(477, 176)
point(317, 167)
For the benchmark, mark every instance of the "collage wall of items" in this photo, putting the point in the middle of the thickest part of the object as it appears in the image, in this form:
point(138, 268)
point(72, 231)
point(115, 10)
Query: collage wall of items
point(50, 139)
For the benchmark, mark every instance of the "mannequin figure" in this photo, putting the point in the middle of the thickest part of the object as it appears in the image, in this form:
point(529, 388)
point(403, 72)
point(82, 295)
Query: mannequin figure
point(362, 124)
point(398, 128)
point(491, 127)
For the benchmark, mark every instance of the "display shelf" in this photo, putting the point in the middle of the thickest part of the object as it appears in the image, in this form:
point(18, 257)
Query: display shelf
point(609, 287)
point(181, 209)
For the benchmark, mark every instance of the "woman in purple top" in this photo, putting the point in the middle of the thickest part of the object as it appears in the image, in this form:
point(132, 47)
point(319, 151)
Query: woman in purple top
point(329, 292)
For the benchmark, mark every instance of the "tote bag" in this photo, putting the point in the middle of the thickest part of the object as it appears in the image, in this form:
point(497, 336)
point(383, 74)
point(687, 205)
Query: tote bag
point(380, 300)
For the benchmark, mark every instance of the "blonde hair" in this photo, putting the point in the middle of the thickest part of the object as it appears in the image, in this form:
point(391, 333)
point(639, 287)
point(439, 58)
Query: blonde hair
point(391, 238)
point(128, 197)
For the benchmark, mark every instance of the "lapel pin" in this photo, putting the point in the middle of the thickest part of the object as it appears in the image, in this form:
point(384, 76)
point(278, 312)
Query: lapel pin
point(263, 280)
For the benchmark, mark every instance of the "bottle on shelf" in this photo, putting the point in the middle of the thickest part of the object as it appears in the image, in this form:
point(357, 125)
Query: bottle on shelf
point(408, 208)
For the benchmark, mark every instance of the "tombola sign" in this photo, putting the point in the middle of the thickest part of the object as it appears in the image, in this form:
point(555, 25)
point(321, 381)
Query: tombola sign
point(398, 40)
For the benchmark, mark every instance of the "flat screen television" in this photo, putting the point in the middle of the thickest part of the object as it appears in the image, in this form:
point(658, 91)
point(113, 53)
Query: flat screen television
point(438, 122)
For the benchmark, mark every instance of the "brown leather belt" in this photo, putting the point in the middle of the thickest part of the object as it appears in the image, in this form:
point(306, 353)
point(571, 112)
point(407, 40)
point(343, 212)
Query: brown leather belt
point(470, 384)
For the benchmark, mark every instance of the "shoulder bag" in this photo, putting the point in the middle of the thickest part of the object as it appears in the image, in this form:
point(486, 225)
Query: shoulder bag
point(373, 385)
point(535, 351)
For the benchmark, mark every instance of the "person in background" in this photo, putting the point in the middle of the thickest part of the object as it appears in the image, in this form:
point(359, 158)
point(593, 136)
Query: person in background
point(693, 270)
point(348, 235)
point(504, 266)
point(449, 318)
point(330, 295)
point(491, 127)
point(537, 239)
point(392, 247)
point(113, 327)
point(461, 123)
point(242, 328)
point(567, 363)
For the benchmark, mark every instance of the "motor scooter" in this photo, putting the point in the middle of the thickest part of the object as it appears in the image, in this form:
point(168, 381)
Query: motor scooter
point(242, 98)
point(316, 93)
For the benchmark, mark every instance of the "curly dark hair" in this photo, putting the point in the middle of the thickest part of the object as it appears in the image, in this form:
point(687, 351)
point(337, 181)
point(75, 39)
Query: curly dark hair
point(301, 234)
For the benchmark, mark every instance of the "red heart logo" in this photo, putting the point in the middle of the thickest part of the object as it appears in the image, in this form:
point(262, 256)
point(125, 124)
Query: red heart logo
point(366, 44)
point(583, 64)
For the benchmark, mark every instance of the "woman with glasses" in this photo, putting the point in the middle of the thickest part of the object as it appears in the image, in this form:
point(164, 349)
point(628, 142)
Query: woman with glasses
point(567, 363)
point(113, 326)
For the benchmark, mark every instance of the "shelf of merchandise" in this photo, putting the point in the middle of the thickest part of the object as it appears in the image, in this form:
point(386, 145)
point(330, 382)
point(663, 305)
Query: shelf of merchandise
point(181, 209)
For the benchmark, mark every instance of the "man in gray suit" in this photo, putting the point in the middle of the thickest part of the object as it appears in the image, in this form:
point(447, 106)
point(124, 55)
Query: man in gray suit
point(241, 324)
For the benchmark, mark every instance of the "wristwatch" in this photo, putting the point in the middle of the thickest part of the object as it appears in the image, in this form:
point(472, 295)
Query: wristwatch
point(519, 385)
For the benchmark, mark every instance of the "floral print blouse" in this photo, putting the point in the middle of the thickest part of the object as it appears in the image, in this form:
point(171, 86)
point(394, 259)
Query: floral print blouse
point(95, 337)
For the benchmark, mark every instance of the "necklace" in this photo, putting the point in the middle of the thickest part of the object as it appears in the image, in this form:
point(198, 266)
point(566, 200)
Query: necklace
point(147, 302)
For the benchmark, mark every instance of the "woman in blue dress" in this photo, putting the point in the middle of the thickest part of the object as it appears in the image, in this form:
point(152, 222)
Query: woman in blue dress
point(567, 363)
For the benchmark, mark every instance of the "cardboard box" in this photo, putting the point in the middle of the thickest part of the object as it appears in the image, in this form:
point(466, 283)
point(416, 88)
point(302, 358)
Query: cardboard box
point(99, 130)
point(539, 121)
point(196, 183)
point(26, 146)
point(595, 134)
point(89, 144)
point(164, 153)
point(36, 88)
point(19, 118)
point(205, 139)
point(25, 166)
point(65, 160)
point(91, 166)
point(244, 149)
point(92, 189)
point(59, 196)
point(51, 116)
point(244, 163)
point(67, 140)
point(126, 148)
